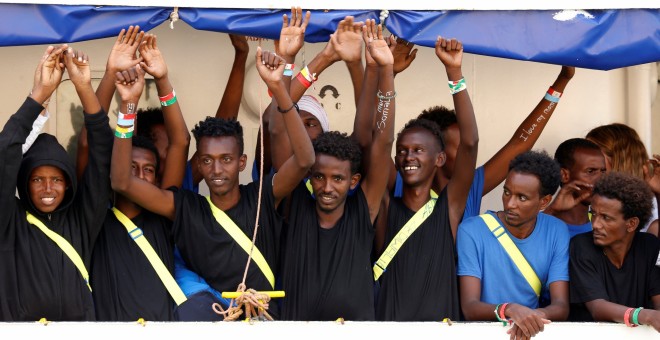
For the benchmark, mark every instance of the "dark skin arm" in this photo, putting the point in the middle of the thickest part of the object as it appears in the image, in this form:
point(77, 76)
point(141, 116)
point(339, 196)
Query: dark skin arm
point(122, 57)
point(652, 177)
point(603, 310)
point(528, 321)
point(496, 169)
point(374, 184)
point(291, 41)
point(175, 125)
point(450, 53)
point(143, 193)
point(294, 169)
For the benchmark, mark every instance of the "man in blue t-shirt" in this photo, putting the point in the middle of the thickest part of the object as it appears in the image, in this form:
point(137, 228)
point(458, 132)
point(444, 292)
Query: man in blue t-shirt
point(582, 163)
point(492, 285)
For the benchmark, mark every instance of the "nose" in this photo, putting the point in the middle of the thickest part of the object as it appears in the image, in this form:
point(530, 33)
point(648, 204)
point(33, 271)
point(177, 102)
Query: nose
point(510, 203)
point(216, 167)
point(327, 187)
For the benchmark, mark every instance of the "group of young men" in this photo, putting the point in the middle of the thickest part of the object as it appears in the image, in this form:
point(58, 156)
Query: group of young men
point(341, 234)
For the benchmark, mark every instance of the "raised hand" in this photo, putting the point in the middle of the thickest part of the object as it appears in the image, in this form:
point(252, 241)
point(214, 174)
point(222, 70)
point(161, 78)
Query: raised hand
point(240, 43)
point(450, 52)
point(130, 84)
point(403, 53)
point(270, 67)
point(567, 72)
point(378, 48)
point(347, 40)
point(153, 63)
point(48, 73)
point(292, 35)
point(571, 194)
point(77, 65)
point(122, 56)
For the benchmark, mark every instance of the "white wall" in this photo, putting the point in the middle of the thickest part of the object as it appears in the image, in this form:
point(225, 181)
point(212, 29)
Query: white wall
point(503, 91)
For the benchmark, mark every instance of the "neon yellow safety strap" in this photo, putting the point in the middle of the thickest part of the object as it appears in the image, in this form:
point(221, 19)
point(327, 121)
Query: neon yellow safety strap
point(402, 236)
point(514, 253)
point(163, 273)
point(243, 241)
point(66, 247)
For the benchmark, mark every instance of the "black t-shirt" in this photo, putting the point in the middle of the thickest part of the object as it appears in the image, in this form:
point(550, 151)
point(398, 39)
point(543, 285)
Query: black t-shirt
point(420, 282)
point(125, 285)
point(327, 272)
point(593, 276)
point(212, 253)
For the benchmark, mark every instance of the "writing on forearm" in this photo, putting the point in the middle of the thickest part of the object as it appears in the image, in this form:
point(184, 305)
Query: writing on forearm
point(527, 132)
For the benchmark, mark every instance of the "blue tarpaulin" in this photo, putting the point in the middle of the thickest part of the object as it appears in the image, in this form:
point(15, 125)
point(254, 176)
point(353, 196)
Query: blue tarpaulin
point(596, 39)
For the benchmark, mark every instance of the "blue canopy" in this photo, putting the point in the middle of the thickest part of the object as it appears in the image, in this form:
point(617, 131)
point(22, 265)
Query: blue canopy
point(596, 39)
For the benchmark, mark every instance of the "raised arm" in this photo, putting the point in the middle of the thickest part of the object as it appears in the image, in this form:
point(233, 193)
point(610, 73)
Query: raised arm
point(292, 37)
point(175, 126)
point(529, 131)
point(271, 67)
point(374, 184)
point(231, 98)
point(450, 53)
point(652, 177)
point(122, 56)
point(143, 193)
point(48, 76)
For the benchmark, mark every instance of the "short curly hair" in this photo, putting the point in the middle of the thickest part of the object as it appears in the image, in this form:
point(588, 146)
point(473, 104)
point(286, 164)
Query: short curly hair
point(541, 165)
point(564, 155)
point(219, 127)
point(341, 146)
point(441, 115)
point(144, 142)
point(147, 119)
point(634, 194)
point(426, 124)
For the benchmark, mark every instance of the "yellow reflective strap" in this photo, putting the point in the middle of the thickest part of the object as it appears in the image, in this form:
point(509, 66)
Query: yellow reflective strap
point(402, 236)
point(513, 251)
point(243, 241)
point(66, 247)
point(308, 184)
point(156, 262)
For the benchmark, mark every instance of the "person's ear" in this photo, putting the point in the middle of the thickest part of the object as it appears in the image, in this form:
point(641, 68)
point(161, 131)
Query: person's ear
point(632, 224)
point(441, 160)
point(242, 161)
point(355, 179)
point(565, 175)
point(545, 201)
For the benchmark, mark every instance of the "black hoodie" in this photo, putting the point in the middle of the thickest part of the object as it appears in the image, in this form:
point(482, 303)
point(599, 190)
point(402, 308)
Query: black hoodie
point(37, 279)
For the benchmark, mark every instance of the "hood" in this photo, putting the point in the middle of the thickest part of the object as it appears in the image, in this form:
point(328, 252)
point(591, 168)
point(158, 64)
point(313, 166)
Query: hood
point(46, 150)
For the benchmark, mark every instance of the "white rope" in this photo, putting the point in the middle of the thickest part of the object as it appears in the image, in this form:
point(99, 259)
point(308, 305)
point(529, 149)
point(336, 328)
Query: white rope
point(174, 17)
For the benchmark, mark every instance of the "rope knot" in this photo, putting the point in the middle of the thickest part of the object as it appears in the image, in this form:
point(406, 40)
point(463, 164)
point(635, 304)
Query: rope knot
point(174, 17)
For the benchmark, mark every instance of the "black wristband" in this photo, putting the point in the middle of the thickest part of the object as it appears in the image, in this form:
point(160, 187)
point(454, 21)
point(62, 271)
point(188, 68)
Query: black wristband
point(289, 109)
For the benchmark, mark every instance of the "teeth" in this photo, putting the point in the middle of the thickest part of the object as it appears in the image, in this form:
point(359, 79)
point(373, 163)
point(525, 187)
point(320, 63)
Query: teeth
point(48, 199)
point(408, 168)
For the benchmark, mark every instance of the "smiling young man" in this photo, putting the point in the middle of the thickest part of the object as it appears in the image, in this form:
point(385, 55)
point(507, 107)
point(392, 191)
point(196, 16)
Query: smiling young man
point(48, 233)
point(614, 269)
point(582, 163)
point(202, 227)
point(327, 255)
point(494, 286)
point(418, 280)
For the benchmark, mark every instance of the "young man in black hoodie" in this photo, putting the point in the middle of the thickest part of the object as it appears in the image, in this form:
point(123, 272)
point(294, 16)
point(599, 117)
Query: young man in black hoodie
point(47, 234)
